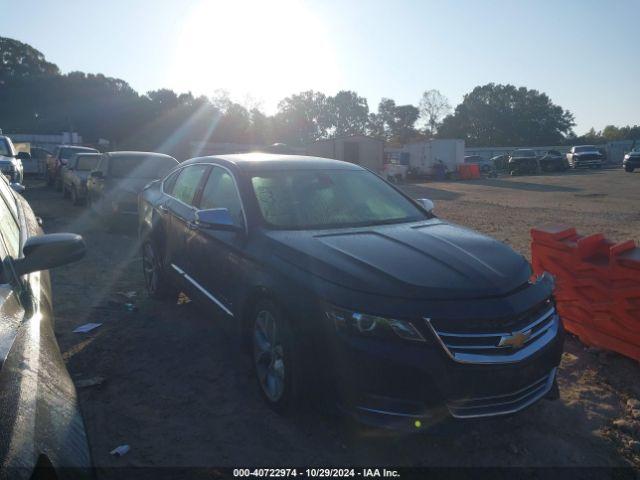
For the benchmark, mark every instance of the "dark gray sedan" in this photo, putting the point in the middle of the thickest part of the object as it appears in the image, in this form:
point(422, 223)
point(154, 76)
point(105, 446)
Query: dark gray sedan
point(75, 175)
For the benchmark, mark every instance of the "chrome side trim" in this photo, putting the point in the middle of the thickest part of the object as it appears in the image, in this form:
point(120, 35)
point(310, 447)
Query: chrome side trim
point(536, 394)
point(202, 289)
point(386, 412)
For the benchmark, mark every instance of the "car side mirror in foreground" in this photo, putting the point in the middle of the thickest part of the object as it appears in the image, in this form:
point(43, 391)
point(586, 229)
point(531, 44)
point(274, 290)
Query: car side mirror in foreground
point(24, 156)
point(425, 203)
point(216, 219)
point(48, 251)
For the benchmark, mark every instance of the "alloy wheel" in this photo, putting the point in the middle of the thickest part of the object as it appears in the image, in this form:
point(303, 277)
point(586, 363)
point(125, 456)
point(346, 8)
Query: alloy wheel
point(150, 268)
point(268, 355)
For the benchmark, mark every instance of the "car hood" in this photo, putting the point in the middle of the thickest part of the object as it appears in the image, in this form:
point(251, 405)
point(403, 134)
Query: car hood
point(426, 260)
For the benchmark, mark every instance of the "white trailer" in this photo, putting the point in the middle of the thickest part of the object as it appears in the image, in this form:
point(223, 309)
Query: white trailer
point(424, 155)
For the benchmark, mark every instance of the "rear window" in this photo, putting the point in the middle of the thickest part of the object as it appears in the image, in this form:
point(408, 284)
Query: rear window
point(86, 162)
point(68, 152)
point(141, 167)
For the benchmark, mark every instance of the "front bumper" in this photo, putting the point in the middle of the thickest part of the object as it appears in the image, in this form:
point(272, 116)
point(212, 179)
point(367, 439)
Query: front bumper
point(631, 162)
point(410, 385)
point(587, 163)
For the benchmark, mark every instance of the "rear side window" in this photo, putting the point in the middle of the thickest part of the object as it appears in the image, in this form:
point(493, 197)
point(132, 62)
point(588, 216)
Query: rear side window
point(186, 185)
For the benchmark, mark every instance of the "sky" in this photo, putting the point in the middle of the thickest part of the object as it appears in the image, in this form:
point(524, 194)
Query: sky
point(583, 53)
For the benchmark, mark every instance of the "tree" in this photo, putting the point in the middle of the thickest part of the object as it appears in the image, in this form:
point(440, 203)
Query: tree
point(164, 99)
point(302, 118)
point(347, 113)
point(492, 115)
point(393, 123)
point(19, 60)
point(433, 107)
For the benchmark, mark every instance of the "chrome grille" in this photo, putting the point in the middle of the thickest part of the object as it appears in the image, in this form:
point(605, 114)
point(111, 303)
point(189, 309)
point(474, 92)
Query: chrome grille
point(502, 404)
point(499, 346)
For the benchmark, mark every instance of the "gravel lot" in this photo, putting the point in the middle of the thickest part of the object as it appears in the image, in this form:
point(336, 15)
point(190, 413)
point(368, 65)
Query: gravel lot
point(178, 392)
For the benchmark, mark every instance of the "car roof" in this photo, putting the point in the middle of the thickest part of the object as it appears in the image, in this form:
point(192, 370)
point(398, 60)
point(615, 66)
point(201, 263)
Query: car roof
point(141, 155)
point(79, 147)
point(258, 161)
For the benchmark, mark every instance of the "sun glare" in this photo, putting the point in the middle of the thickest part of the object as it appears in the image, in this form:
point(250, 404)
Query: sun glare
point(265, 49)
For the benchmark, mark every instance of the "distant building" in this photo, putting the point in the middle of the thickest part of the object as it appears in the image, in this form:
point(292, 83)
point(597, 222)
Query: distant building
point(421, 156)
point(359, 149)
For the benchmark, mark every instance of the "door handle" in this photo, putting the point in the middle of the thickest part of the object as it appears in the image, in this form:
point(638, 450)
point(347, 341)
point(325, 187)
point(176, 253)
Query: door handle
point(162, 208)
point(193, 226)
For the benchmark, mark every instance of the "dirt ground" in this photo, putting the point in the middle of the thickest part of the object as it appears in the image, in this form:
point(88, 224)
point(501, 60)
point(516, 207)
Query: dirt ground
point(175, 388)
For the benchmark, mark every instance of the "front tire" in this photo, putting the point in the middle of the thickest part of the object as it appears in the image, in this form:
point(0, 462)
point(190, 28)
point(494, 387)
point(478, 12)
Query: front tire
point(155, 277)
point(628, 169)
point(274, 364)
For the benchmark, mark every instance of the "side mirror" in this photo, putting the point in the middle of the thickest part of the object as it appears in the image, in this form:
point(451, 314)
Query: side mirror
point(18, 187)
point(216, 219)
point(48, 251)
point(24, 156)
point(96, 174)
point(425, 203)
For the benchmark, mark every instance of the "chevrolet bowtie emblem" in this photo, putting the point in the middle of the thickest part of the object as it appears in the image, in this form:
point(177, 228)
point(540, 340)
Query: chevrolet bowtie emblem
point(515, 340)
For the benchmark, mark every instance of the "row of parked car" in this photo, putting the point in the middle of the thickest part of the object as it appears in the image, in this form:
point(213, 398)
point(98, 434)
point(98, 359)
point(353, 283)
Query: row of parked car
point(526, 161)
point(109, 183)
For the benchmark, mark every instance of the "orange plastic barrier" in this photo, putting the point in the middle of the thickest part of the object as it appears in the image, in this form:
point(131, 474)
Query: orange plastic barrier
point(468, 171)
point(597, 286)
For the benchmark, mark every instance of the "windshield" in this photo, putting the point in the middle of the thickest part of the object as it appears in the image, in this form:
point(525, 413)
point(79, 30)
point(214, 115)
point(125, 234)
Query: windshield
point(67, 152)
point(310, 199)
point(87, 162)
point(141, 167)
point(586, 148)
point(523, 153)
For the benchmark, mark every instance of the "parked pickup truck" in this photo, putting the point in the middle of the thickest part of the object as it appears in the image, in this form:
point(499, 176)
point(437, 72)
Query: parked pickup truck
point(585, 156)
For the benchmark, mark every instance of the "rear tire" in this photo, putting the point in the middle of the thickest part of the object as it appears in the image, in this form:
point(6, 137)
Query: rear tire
point(74, 196)
point(274, 357)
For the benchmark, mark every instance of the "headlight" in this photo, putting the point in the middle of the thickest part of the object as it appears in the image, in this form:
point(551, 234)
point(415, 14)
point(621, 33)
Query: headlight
point(357, 323)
